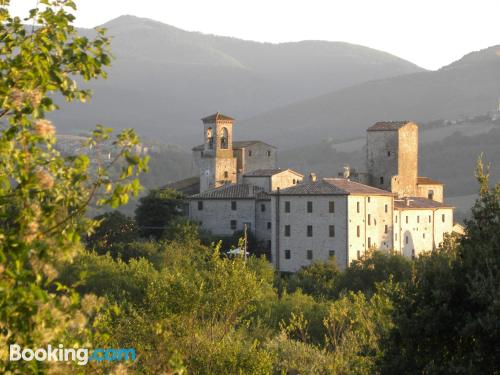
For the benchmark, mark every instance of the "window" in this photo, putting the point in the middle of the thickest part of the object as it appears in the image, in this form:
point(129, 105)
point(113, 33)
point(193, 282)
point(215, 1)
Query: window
point(200, 205)
point(430, 219)
point(332, 230)
point(226, 174)
point(418, 219)
point(287, 206)
point(381, 180)
point(386, 208)
point(395, 237)
point(369, 219)
point(269, 153)
point(369, 199)
point(224, 139)
point(293, 181)
point(406, 240)
point(357, 207)
point(358, 231)
point(309, 207)
point(262, 207)
point(395, 219)
point(233, 224)
point(331, 207)
point(210, 139)
point(386, 228)
point(359, 254)
point(430, 194)
point(287, 230)
point(369, 242)
point(442, 217)
point(413, 253)
point(388, 153)
point(249, 152)
point(309, 231)
point(309, 254)
point(331, 253)
point(233, 205)
point(406, 219)
point(423, 235)
point(268, 225)
point(288, 254)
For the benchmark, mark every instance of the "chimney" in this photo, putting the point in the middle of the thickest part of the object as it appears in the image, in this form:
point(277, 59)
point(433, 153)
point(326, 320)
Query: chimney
point(407, 201)
point(312, 177)
point(347, 172)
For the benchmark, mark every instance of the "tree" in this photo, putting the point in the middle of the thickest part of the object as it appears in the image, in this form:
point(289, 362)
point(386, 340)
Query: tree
point(44, 196)
point(156, 210)
point(447, 316)
point(113, 228)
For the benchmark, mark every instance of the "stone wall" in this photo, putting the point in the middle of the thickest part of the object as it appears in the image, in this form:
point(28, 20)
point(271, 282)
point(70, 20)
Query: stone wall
point(256, 157)
point(437, 190)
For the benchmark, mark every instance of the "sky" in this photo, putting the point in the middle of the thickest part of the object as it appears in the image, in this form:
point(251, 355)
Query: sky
point(429, 33)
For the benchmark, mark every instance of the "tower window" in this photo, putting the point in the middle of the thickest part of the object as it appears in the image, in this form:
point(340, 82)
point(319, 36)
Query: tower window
point(309, 231)
point(287, 230)
point(268, 225)
point(224, 139)
point(331, 207)
point(233, 224)
point(249, 152)
point(226, 174)
point(269, 153)
point(287, 254)
point(262, 207)
point(210, 139)
point(430, 194)
point(233, 205)
point(332, 230)
point(381, 180)
point(287, 206)
point(200, 205)
point(388, 153)
point(309, 254)
point(309, 207)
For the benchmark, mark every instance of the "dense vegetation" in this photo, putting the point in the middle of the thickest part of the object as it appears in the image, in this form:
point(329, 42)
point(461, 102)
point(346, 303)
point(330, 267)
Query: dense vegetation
point(154, 283)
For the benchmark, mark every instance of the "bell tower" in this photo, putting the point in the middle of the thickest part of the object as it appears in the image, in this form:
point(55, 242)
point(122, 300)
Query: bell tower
point(217, 164)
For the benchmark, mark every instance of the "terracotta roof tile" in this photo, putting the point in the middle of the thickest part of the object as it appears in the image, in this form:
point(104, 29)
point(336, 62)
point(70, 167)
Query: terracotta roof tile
point(418, 203)
point(312, 188)
point(232, 191)
point(428, 181)
point(387, 125)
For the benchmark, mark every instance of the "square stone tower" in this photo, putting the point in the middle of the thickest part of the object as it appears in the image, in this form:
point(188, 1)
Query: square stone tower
point(392, 157)
point(217, 164)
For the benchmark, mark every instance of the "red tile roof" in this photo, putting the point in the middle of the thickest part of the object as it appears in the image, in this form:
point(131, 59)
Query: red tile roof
point(232, 191)
point(418, 203)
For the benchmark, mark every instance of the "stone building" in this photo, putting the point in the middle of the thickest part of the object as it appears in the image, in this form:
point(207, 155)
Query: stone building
point(388, 207)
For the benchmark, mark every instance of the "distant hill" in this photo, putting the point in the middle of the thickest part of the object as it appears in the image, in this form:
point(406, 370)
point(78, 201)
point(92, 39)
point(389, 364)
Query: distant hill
point(165, 79)
point(468, 86)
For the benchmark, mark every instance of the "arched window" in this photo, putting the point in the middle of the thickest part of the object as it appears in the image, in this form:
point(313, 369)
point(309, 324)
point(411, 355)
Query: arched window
point(224, 138)
point(210, 139)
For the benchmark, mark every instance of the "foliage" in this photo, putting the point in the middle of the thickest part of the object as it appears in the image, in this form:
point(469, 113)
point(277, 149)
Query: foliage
point(447, 316)
point(156, 210)
point(113, 228)
point(43, 196)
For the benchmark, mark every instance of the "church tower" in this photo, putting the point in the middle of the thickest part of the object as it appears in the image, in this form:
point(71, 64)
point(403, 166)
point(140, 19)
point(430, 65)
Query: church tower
point(392, 157)
point(217, 163)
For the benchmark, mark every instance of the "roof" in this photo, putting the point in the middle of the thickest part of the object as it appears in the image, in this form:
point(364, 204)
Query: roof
point(356, 188)
point(232, 191)
point(269, 172)
point(387, 125)
point(320, 187)
point(236, 145)
point(427, 181)
point(187, 186)
point(418, 203)
point(216, 117)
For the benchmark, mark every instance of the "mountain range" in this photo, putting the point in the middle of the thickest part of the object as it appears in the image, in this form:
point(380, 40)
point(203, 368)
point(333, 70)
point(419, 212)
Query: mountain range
point(163, 79)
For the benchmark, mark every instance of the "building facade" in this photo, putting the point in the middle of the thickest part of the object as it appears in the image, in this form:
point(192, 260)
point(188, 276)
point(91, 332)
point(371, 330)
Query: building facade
point(388, 207)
